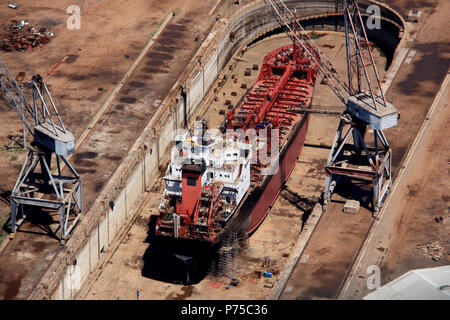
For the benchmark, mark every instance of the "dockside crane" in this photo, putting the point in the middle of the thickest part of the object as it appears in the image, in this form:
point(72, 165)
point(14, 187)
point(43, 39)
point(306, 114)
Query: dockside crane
point(366, 104)
point(37, 187)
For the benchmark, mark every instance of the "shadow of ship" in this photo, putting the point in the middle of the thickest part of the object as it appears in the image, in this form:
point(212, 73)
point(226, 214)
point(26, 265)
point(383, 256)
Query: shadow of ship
point(177, 261)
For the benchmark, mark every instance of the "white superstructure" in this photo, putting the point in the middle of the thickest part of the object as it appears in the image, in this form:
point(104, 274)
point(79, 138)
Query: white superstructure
point(227, 162)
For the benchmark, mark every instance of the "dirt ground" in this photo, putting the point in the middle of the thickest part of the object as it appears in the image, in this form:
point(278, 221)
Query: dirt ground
point(126, 271)
point(427, 194)
point(419, 79)
point(102, 51)
point(404, 6)
point(424, 201)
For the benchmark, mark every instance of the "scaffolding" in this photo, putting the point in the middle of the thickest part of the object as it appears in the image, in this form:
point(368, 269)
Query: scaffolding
point(226, 265)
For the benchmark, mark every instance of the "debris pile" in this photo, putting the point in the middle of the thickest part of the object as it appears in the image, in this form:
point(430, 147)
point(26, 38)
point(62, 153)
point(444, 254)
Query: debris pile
point(432, 250)
point(21, 36)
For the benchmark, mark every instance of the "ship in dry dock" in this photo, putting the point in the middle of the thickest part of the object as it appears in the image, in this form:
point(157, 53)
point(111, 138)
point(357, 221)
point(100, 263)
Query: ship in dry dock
point(226, 180)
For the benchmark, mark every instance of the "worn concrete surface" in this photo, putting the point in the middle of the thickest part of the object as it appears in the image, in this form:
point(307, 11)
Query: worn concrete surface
point(107, 55)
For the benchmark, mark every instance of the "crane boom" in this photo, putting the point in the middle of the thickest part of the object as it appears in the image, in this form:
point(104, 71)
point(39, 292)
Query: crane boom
point(13, 95)
point(354, 29)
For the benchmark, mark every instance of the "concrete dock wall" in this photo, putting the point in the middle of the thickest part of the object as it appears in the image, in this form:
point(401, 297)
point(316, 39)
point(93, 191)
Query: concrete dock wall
point(121, 197)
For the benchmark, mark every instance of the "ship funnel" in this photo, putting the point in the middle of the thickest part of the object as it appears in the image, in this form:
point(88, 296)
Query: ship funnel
point(192, 172)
